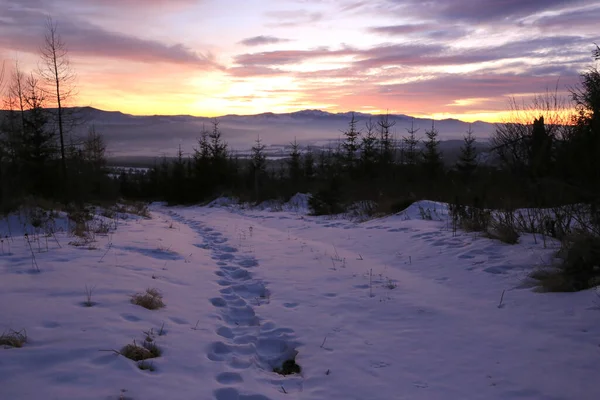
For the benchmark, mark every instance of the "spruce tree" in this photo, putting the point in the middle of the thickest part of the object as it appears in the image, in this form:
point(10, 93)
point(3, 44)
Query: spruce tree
point(308, 162)
point(386, 145)
point(351, 143)
point(467, 161)
point(368, 155)
point(258, 166)
point(432, 158)
point(293, 162)
point(410, 143)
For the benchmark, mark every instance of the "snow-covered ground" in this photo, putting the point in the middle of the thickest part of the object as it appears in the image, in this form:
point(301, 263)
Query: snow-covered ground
point(394, 308)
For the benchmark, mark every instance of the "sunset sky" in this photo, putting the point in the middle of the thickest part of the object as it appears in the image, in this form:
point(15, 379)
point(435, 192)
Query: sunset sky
point(427, 58)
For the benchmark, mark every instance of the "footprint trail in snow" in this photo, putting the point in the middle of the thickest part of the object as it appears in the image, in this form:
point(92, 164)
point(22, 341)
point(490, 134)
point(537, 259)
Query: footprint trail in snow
point(245, 339)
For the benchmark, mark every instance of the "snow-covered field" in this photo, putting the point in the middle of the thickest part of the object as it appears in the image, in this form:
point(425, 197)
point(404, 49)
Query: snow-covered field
point(393, 308)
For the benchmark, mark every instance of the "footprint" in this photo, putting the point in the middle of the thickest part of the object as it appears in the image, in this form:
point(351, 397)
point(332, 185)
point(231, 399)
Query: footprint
point(246, 339)
point(248, 263)
point(330, 294)
point(218, 351)
point(50, 324)
point(130, 317)
point(237, 363)
point(218, 302)
point(290, 305)
point(228, 249)
point(240, 274)
point(227, 378)
point(225, 332)
point(179, 321)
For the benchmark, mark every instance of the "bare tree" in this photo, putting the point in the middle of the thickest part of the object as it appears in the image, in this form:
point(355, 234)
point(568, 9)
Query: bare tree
point(57, 73)
point(512, 140)
point(2, 78)
point(16, 93)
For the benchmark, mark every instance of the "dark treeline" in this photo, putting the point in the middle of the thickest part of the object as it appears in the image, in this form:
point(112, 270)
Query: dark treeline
point(548, 158)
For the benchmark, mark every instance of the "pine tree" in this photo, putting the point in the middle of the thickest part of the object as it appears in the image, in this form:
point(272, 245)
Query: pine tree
point(220, 175)
point(258, 166)
point(39, 142)
point(217, 148)
point(467, 162)
point(351, 143)
point(293, 162)
point(308, 162)
point(368, 155)
point(410, 143)
point(432, 158)
point(386, 145)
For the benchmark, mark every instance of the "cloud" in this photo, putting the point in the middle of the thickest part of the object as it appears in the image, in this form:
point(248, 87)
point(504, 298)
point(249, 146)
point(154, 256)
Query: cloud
point(429, 30)
point(254, 71)
point(145, 4)
point(477, 11)
point(286, 57)
point(293, 18)
point(584, 17)
point(24, 31)
point(262, 40)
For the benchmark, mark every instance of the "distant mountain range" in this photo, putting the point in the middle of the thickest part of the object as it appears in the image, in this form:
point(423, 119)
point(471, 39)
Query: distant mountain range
point(157, 135)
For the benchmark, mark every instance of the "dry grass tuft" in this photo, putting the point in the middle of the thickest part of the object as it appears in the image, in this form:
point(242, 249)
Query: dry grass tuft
point(13, 338)
point(139, 353)
point(503, 232)
point(151, 299)
point(579, 268)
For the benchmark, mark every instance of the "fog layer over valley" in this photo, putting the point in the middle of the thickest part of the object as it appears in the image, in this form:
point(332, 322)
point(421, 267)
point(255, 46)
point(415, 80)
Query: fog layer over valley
point(151, 136)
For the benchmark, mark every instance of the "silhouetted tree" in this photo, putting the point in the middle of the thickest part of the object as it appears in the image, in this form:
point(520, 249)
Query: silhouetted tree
point(293, 162)
point(386, 145)
point(258, 166)
point(368, 155)
point(56, 71)
point(351, 143)
point(432, 158)
point(410, 143)
point(467, 161)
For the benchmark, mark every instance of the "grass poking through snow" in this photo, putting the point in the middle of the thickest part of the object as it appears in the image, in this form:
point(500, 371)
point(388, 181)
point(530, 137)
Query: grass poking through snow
point(151, 299)
point(13, 338)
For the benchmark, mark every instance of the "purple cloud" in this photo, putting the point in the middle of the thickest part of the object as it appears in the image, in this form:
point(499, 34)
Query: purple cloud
point(262, 40)
point(24, 31)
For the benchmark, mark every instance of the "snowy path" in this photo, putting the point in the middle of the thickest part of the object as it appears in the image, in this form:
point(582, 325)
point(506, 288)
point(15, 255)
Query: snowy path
point(246, 339)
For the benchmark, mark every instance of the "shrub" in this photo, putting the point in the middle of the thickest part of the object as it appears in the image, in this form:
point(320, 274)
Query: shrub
point(151, 299)
point(502, 228)
point(471, 219)
point(13, 338)
point(579, 268)
point(325, 202)
point(504, 233)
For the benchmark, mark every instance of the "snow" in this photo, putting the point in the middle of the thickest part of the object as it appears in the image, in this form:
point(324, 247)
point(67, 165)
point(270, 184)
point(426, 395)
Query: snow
point(393, 308)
